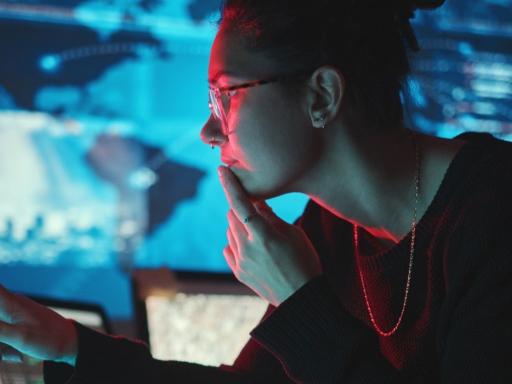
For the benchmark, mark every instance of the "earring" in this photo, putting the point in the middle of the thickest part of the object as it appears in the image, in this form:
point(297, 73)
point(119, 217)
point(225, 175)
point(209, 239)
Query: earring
point(321, 121)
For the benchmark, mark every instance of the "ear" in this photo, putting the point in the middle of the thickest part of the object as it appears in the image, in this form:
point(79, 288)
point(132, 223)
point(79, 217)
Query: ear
point(326, 88)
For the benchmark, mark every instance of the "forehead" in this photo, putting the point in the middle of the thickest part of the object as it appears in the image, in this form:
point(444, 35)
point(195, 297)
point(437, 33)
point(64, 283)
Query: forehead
point(229, 58)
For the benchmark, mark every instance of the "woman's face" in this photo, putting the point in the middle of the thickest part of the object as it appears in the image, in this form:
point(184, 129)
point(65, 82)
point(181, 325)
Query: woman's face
point(270, 139)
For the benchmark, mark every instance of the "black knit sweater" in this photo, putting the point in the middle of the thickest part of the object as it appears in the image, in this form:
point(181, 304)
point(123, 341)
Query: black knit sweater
point(457, 326)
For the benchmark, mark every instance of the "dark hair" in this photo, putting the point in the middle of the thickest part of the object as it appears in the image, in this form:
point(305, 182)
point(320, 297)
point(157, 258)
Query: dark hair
point(366, 40)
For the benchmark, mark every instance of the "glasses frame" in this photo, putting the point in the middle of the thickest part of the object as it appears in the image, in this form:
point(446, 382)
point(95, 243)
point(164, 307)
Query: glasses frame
point(215, 93)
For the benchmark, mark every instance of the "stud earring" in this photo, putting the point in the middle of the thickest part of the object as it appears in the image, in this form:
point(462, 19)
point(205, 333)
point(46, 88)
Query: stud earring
point(320, 121)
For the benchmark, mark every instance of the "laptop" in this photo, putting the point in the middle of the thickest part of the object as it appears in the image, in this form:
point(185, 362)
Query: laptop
point(196, 317)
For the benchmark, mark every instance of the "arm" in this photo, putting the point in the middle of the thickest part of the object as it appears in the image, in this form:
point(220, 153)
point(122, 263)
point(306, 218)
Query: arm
point(91, 363)
point(255, 358)
point(113, 359)
point(102, 358)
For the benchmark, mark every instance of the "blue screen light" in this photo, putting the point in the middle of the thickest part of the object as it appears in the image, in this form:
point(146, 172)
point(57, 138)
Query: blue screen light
point(466, 48)
point(50, 63)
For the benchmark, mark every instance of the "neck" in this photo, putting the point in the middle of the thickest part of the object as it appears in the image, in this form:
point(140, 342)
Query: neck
point(375, 189)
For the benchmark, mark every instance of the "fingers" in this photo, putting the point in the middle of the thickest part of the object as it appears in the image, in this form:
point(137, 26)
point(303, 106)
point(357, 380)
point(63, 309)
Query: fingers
point(233, 243)
point(9, 335)
point(230, 259)
point(6, 304)
point(238, 200)
point(10, 354)
point(238, 229)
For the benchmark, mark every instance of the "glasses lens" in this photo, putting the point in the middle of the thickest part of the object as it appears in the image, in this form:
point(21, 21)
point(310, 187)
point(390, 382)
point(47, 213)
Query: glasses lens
point(214, 104)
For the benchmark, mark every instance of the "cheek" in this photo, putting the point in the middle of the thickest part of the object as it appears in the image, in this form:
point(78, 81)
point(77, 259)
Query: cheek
point(276, 135)
point(275, 148)
point(258, 139)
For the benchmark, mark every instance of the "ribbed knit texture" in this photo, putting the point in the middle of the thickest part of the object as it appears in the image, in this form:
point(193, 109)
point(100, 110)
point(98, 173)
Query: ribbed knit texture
point(457, 324)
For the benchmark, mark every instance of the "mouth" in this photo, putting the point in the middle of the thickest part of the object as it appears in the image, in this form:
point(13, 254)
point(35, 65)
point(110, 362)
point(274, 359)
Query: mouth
point(228, 162)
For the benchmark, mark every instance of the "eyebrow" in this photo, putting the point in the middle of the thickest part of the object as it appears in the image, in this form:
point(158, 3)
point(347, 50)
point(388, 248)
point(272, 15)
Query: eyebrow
point(220, 73)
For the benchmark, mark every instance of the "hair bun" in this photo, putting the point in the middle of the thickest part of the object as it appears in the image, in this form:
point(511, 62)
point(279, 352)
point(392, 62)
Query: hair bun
point(405, 11)
point(407, 7)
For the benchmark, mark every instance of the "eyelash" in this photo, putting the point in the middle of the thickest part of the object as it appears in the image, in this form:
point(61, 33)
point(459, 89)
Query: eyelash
point(231, 93)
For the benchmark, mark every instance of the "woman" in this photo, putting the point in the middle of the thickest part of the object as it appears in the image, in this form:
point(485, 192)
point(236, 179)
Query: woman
point(306, 98)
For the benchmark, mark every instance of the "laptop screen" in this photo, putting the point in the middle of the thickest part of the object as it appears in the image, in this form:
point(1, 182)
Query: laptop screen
point(201, 328)
point(202, 318)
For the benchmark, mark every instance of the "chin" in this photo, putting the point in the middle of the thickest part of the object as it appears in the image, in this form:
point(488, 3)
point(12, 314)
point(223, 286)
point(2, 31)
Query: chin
point(255, 190)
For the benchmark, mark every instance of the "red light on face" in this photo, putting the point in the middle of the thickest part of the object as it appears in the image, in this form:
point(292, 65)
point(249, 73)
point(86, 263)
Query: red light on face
point(228, 161)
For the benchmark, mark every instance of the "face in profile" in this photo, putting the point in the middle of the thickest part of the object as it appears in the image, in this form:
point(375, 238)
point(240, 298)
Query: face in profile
point(265, 134)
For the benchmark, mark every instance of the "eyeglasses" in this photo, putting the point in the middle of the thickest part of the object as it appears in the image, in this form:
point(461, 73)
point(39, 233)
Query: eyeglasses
point(219, 97)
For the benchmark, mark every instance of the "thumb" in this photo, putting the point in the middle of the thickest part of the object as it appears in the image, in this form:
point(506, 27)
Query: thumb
point(10, 354)
point(9, 334)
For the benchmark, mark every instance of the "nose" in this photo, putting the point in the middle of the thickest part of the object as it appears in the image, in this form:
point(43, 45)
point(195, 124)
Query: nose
point(211, 133)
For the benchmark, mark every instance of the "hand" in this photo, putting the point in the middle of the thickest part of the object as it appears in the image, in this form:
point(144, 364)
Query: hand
point(35, 330)
point(267, 254)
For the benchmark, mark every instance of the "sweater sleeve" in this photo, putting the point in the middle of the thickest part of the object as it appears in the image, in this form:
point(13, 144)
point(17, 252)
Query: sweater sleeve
point(113, 359)
point(254, 358)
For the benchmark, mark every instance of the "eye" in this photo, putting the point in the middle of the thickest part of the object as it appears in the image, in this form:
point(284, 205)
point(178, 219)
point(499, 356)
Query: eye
point(231, 93)
point(226, 98)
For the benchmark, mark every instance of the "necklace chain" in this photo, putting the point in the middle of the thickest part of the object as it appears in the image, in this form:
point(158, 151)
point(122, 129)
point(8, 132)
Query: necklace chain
point(411, 256)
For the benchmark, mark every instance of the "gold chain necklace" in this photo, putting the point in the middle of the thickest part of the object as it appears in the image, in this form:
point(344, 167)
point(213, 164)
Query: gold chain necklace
point(411, 256)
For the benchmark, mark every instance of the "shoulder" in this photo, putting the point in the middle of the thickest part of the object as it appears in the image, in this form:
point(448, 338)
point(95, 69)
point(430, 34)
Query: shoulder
point(489, 185)
point(479, 234)
point(493, 151)
point(480, 177)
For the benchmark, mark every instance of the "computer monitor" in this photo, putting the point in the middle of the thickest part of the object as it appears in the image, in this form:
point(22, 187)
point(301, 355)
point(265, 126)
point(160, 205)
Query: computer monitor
point(30, 370)
point(201, 318)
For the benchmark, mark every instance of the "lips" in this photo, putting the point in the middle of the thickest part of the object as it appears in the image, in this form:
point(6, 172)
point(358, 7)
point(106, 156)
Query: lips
point(228, 161)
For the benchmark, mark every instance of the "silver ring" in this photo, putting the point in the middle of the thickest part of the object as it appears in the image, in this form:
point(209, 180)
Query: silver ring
point(248, 218)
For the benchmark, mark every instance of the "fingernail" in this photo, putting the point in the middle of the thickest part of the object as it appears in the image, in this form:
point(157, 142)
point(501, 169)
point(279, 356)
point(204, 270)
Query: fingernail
point(220, 171)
